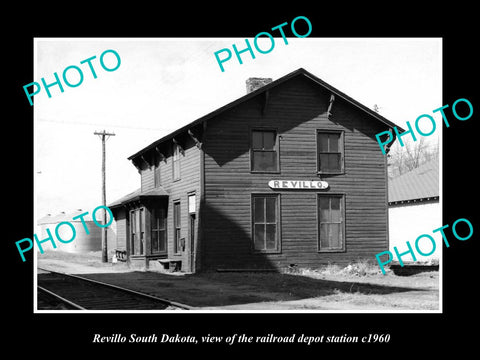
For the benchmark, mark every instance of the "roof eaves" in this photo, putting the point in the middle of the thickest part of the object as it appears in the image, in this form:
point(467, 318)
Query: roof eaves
point(352, 101)
point(217, 111)
point(139, 195)
point(299, 71)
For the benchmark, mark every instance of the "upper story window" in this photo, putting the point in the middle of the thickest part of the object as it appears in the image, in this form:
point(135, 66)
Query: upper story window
point(156, 175)
point(176, 162)
point(264, 151)
point(330, 152)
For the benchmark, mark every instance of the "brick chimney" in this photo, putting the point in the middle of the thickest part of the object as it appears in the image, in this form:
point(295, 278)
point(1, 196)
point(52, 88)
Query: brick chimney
point(255, 83)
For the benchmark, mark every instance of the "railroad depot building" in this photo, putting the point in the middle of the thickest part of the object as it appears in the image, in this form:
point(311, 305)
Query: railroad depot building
point(289, 174)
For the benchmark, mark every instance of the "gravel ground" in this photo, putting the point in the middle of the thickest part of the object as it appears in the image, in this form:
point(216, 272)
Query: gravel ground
point(307, 290)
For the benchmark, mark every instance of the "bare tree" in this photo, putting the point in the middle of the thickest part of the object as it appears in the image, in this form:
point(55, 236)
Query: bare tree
point(410, 156)
point(402, 159)
point(414, 154)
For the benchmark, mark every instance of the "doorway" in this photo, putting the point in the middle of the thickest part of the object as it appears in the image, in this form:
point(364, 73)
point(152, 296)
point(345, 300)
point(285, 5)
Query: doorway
point(137, 231)
point(191, 230)
point(191, 235)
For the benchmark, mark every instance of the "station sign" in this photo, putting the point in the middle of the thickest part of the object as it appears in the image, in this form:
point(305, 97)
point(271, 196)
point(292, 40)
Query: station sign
point(298, 184)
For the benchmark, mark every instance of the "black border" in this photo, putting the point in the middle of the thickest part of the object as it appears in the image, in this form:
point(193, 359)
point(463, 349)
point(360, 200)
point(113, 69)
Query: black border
point(413, 334)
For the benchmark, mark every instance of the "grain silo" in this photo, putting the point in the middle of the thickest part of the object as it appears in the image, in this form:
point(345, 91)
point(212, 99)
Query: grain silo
point(83, 241)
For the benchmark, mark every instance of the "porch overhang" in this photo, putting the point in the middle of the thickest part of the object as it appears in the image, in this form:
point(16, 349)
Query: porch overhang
point(139, 196)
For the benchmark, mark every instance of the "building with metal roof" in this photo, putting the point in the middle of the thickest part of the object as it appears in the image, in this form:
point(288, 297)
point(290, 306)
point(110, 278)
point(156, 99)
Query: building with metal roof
point(419, 184)
point(415, 209)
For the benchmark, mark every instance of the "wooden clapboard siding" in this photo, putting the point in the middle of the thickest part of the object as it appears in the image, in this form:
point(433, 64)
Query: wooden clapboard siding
point(188, 183)
point(296, 108)
point(147, 179)
point(121, 235)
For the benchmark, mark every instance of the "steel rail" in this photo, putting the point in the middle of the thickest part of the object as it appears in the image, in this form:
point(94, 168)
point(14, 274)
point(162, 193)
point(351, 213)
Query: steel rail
point(62, 299)
point(130, 291)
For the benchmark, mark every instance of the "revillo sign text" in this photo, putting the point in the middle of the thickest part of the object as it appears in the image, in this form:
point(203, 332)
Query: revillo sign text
point(298, 184)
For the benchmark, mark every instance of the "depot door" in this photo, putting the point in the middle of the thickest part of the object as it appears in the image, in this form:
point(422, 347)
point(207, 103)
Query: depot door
point(137, 231)
point(191, 235)
point(192, 205)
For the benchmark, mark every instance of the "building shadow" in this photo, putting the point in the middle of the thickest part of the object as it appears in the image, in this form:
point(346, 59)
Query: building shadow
point(224, 289)
point(228, 242)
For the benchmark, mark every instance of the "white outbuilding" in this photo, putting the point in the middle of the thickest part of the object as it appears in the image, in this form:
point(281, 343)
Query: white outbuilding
point(415, 209)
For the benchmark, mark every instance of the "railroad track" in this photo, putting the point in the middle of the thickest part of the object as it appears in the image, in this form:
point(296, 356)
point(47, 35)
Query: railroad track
point(61, 291)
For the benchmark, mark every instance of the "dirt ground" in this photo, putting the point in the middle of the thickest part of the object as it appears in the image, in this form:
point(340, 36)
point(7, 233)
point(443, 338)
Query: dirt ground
point(303, 290)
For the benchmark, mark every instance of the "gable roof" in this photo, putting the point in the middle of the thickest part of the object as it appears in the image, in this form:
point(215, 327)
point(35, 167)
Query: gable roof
point(298, 72)
point(419, 183)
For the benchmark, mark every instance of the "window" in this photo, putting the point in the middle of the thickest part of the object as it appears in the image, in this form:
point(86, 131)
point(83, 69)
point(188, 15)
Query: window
point(176, 162)
point(176, 226)
point(330, 152)
point(331, 223)
point(264, 151)
point(156, 175)
point(137, 231)
point(159, 231)
point(266, 223)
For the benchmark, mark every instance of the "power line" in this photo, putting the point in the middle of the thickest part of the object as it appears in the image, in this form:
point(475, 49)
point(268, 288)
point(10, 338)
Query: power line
point(98, 124)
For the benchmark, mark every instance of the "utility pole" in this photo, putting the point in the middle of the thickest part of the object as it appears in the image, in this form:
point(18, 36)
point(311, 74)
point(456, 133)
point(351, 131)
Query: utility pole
point(102, 136)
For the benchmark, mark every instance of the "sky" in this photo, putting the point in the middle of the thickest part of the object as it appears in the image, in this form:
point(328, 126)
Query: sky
point(165, 83)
